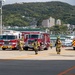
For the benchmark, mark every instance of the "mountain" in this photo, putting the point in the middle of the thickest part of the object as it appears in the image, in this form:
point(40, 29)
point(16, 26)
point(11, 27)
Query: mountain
point(26, 14)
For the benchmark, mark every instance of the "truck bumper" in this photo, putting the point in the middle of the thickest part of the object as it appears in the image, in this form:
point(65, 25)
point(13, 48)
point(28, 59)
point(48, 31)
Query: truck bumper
point(8, 47)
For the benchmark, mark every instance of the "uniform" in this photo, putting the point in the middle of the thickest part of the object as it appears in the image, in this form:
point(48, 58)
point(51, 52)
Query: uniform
point(35, 46)
point(51, 45)
point(21, 44)
point(58, 45)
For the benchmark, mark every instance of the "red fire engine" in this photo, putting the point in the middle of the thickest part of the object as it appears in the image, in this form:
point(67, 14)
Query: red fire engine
point(42, 37)
point(9, 39)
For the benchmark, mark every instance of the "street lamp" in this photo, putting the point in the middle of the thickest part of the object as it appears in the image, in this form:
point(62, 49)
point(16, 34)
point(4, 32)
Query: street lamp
point(0, 16)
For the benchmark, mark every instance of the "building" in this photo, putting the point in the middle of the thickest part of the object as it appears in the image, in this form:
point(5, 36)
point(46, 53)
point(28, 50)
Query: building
point(52, 21)
point(45, 23)
point(58, 22)
point(48, 22)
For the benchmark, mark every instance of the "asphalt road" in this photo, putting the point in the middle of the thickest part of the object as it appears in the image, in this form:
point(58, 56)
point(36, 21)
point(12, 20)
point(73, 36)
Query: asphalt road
point(37, 67)
point(45, 63)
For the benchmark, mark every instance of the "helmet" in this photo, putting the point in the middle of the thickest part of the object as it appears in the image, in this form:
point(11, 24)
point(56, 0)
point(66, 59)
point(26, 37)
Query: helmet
point(58, 37)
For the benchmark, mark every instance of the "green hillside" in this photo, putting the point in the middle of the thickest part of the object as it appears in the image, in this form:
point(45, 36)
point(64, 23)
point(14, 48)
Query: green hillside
point(26, 14)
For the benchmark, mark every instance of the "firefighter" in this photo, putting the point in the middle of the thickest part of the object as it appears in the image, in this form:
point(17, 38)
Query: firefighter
point(35, 46)
point(58, 45)
point(51, 45)
point(21, 43)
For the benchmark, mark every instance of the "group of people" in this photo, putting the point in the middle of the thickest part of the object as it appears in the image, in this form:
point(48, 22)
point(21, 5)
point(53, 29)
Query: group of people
point(58, 45)
point(36, 45)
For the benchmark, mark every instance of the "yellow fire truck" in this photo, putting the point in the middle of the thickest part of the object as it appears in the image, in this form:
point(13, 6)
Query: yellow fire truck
point(73, 43)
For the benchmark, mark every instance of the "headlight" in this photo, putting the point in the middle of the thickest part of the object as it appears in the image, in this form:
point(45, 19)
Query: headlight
point(13, 43)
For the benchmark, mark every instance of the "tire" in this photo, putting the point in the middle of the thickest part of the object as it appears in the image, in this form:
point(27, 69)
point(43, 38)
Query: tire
point(25, 48)
point(73, 48)
point(3, 48)
point(45, 48)
point(13, 48)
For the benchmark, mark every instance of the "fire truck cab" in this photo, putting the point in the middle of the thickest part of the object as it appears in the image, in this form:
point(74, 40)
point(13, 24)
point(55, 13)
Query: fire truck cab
point(10, 39)
point(42, 37)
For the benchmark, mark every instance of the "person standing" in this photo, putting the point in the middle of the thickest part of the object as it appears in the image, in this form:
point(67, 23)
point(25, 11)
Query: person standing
point(51, 45)
point(58, 45)
point(21, 43)
point(35, 46)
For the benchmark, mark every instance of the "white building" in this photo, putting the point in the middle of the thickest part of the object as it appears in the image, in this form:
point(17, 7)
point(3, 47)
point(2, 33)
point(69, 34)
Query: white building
point(52, 21)
point(48, 22)
point(58, 22)
point(45, 23)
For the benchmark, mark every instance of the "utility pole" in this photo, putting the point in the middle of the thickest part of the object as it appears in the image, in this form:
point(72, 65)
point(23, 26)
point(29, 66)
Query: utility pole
point(0, 16)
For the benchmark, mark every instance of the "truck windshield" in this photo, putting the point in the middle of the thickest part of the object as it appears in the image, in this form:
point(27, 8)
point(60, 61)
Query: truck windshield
point(33, 36)
point(7, 37)
point(30, 41)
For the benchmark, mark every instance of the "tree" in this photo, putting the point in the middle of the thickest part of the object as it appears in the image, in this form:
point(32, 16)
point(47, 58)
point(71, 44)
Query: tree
point(59, 29)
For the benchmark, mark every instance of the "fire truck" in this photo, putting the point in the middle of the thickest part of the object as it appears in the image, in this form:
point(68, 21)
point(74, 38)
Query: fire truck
point(42, 37)
point(10, 39)
point(73, 43)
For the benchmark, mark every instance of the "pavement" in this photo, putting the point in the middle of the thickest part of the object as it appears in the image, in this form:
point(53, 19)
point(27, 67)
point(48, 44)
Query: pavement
point(67, 53)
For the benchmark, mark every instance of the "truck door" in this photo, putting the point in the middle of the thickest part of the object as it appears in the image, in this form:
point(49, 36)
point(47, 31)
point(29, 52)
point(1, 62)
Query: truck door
point(26, 37)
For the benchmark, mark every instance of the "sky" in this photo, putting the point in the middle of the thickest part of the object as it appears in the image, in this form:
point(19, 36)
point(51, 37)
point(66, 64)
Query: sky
point(72, 2)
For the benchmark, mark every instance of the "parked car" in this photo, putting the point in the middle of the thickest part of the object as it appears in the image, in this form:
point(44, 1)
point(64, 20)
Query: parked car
point(67, 44)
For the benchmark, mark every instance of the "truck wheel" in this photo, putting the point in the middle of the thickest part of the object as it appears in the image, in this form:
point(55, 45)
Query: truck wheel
point(3, 48)
point(45, 48)
point(73, 48)
point(13, 48)
point(25, 48)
